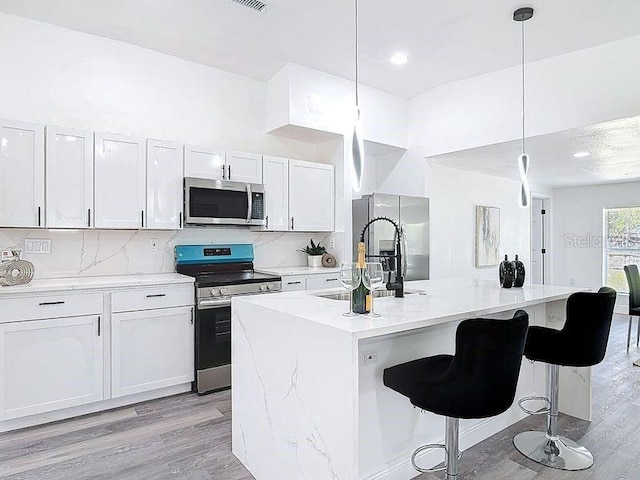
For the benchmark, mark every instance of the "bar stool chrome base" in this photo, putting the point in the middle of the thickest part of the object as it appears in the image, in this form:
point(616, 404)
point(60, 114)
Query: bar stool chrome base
point(548, 448)
point(562, 453)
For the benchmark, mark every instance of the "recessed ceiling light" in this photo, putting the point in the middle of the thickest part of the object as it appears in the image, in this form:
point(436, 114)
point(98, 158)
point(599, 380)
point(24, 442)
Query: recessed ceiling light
point(581, 154)
point(399, 58)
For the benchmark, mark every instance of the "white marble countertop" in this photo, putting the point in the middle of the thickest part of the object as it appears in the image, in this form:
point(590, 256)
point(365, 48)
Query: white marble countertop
point(95, 283)
point(289, 271)
point(439, 301)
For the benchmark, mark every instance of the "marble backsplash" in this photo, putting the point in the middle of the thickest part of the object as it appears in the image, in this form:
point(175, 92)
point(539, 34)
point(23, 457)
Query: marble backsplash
point(119, 252)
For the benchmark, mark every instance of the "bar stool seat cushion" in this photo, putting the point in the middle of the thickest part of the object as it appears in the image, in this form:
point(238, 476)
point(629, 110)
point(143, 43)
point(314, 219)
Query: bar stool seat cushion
point(582, 342)
point(634, 311)
point(478, 382)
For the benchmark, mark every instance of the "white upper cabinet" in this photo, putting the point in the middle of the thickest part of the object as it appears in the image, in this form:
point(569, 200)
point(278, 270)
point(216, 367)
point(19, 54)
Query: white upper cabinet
point(204, 162)
point(69, 162)
point(119, 181)
point(21, 174)
point(164, 185)
point(244, 167)
point(311, 196)
point(276, 180)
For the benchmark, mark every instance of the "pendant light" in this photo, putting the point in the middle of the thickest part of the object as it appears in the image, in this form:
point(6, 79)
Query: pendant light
point(522, 15)
point(357, 144)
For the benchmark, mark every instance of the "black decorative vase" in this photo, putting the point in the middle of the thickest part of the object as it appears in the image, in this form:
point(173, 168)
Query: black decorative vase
point(506, 273)
point(518, 273)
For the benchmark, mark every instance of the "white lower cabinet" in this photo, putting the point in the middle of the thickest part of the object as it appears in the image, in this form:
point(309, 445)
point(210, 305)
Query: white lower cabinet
point(151, 349)
point(51, 364)
point(310, 282)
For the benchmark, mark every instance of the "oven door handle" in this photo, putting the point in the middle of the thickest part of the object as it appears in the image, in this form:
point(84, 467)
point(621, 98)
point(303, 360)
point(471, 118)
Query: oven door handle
point(219, 303)
point(249, 203)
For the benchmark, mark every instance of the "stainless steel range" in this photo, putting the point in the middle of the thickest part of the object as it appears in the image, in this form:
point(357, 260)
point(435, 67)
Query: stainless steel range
point(221, 272)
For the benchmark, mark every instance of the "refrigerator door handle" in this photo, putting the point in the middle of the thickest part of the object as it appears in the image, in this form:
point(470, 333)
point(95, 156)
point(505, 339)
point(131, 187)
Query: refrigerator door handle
point(405, 250)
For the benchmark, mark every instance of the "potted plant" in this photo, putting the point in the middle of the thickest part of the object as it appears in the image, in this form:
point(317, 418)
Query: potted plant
point(314, 254)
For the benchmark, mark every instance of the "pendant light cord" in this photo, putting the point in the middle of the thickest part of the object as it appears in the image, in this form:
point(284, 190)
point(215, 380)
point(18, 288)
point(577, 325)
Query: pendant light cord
point(357, 97)
point(524, 150)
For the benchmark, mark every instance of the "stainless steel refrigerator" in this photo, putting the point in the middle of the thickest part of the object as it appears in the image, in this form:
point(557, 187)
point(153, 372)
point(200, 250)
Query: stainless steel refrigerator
point(412, 214)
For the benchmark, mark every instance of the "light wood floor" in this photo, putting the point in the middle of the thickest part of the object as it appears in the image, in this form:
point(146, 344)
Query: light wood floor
point(189, 437)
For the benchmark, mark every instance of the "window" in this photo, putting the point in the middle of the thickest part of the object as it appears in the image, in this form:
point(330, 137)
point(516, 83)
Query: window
point(621, 245)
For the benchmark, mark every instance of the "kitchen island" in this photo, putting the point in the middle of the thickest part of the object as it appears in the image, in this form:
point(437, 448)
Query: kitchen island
point(308, 399)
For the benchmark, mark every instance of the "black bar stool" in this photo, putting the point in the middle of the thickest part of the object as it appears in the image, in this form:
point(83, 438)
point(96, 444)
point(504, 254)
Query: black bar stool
point(478, 382)
point(582, 342)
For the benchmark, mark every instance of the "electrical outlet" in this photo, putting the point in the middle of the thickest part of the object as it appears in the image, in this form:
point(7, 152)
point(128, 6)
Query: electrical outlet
point(332, 242)
point(37, 246)
point(369, 358)
point(154, 244)
point(572, 281)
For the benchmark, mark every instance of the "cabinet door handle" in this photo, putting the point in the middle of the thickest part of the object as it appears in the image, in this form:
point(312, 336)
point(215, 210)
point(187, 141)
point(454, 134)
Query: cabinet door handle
point(39, 216)
point(99, 325)
point(51, 303)
point(224, 173)
point(192, 315)
point(157, 295)
point(88, 217)
point(294, 283)
point(267, 220)
point(332, 280)
point(292, 224)
point(229, 176)
point(180, 220)
point(142, 218)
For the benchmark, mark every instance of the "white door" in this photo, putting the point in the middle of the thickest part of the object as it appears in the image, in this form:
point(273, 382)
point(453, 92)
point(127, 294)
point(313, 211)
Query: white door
point(119, 181)
point(204, 162)
point(311, 196)
point(21, 174)
point(276, 180)
point(164, 185)
point(151, 349)
point(69, 162)
point(244, 167)
point(49, 365)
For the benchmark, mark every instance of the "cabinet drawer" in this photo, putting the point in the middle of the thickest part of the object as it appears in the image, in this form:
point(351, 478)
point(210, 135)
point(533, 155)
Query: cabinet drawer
point(317, 282)
point(293, 284)
point(50, 306)
point(149, 298)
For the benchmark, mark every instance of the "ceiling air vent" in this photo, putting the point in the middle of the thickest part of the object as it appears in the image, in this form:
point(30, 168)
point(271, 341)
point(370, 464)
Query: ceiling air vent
point(256, 5)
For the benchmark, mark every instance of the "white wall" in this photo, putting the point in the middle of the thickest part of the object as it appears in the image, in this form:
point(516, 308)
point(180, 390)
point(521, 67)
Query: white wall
point(306, 98)
point(454, 195)
point(568, 91)
point(578, 229)
point(57, 76)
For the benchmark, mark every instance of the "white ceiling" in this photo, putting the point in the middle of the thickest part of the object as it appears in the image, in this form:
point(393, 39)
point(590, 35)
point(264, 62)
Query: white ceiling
point(614, 148)
point(446, 40)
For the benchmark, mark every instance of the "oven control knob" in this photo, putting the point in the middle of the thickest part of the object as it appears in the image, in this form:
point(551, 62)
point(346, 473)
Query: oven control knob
point(215, 292)
point(264, 287)
point(224, 291)
point(271, 286)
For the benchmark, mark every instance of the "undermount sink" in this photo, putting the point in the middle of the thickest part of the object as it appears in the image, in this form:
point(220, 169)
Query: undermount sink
point(344, 296)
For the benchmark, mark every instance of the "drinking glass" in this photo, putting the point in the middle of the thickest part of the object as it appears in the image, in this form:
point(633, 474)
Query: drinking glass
point(373, 278)
point(350, 279)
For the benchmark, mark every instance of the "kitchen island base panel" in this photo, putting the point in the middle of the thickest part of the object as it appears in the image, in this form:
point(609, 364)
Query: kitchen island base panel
point(308, 405)
point(293, 402)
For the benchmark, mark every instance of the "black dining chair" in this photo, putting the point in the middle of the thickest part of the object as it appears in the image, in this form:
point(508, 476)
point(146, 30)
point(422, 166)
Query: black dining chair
point(633, 279)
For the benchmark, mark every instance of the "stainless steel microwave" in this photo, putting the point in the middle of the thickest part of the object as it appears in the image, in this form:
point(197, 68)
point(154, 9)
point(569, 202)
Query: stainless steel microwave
point(218, 202)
